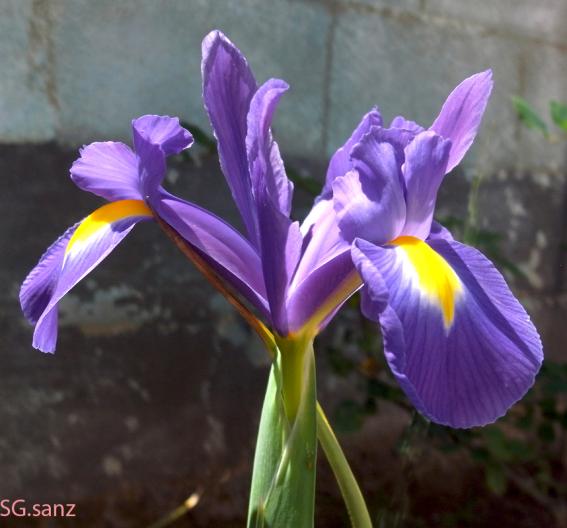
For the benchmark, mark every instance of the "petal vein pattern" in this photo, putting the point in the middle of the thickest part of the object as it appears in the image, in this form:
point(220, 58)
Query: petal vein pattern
point(91, 242)
point(431, 275)
point(103, 217)
point(471, 374)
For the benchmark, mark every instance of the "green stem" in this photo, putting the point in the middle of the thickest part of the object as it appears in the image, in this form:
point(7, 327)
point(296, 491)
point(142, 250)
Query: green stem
point(357, 511)
point(295, 355)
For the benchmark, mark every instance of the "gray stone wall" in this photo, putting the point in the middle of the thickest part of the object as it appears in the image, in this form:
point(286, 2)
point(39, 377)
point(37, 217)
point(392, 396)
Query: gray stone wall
point(76, 70)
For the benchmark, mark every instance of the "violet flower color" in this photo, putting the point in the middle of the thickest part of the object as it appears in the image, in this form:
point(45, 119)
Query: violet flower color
point(459, 343)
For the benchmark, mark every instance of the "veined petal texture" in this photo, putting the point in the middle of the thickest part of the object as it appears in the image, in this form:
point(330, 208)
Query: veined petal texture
point(155, 137)
point(462, 113)
point(72, 257)
point(424, 168)
point(164, 131)
point(341, 163)
point(228, 88)
point(108, 169)
point(220, 244)
point(264, 160)
point(460, 344)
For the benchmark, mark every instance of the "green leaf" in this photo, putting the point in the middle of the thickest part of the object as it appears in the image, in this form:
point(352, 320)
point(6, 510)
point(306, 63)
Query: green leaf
point(528, 115)
point(283, 479)
point(496, 480)
point(559, 114)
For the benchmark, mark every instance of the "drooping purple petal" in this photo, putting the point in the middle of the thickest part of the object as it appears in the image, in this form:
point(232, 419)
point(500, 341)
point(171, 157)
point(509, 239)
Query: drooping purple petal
point(425, 166)
point(462, 113)
point(369, 201)
point(465, 373)
point(405, 124)
point(264, 160)
point(108, 169)
point(93, 239)
point(164, 131)
point(228, 251)
point(38, 287)
point(228, 88)
point(340, 163)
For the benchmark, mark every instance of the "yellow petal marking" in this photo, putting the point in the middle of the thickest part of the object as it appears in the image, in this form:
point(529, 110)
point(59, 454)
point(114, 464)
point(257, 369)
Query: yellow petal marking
point(435, 277)
point(105, 215)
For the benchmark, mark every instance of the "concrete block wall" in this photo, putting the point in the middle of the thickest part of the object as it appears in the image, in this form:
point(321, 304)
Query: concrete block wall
point(76, 70)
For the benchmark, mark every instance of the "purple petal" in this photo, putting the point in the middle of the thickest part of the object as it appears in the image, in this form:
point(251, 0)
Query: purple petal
point(228, 88)
point(425, 165)
point(109, 170)
point(93, 239)
point(461, 114)
point(322, 239)
point(465, 373)
point(264, 160)
point(164, 131)
point(322, 292)
point(151, 165)
point(405, 124)
point(280, 250)
point(369, 201)
point(340, 163)
point(38, 287)
point(228, 251)
point(439, 232)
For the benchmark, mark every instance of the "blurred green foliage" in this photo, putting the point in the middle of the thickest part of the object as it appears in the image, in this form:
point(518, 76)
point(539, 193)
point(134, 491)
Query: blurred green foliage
point(530, 117)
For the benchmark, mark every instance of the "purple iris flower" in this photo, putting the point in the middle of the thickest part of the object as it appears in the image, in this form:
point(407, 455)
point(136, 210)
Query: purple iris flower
point(461, 346)
point(131, 181)
point(459, 343)
point(262, 266)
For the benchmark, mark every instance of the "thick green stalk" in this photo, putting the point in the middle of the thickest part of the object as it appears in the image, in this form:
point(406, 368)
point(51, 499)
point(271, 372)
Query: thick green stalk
point(291, 391)
point(283, 479)
point(354, 501)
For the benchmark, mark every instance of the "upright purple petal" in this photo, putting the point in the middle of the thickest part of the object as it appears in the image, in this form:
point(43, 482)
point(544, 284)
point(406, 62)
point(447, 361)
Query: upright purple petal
point(164, 131)
point(322, 240)
point(425, 166)
point(38, 287)
point(340, 163)
point(264, 160)
point(154, 138)
point(369, 201)
point(228, 88)
point(405, 124)
point(461, 114)
point(280, 250)
point(151, 168)
point(92, 240)
point(107, 169)
point(461, 346)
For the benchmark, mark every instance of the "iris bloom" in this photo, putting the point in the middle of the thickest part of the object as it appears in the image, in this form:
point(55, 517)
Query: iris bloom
point(259, 266)
point(460, 344)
